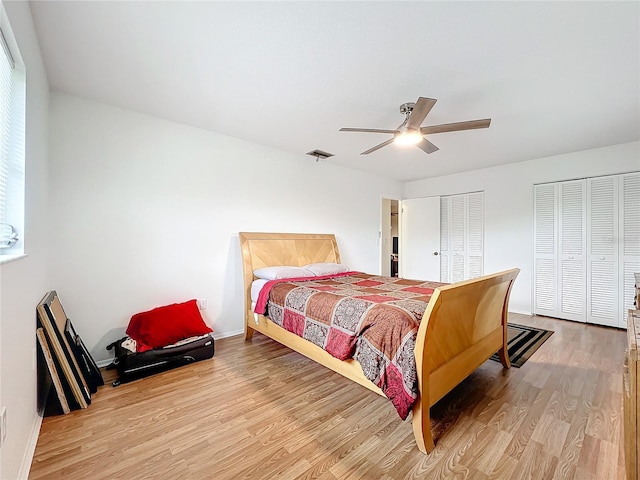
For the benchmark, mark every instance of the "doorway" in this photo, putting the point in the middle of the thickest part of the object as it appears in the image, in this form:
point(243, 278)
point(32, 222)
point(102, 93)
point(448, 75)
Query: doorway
point(410, 238)
point(433, 238)
point(389, 237)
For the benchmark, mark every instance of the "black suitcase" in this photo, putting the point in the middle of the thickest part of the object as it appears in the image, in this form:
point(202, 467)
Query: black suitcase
point(132, 366)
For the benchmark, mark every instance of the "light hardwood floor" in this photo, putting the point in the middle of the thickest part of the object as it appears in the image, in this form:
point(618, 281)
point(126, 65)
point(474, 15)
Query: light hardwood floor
point(257, 410)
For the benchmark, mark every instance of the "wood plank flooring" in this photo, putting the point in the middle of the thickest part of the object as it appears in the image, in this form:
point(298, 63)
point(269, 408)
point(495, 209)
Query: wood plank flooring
point(257, 410)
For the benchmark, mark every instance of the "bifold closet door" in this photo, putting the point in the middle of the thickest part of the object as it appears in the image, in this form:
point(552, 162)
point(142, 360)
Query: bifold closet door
point(614, 247)
point(559, 250)
point(572, 250)
point(602, 246)
point(630, 250)
point(587, 248)
point(461, 237)
point(545, 232)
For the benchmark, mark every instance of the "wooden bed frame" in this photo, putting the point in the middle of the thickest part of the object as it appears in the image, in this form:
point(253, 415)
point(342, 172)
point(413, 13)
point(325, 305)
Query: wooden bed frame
point(464, 323)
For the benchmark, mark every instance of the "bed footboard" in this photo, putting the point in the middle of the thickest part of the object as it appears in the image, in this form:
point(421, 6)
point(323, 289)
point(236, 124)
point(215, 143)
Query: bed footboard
point(464, 324)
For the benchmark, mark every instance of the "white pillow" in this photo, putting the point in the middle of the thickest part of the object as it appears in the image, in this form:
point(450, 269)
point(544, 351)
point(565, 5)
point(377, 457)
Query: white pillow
point(282, 271)
point(256, 286)
point(327, 268)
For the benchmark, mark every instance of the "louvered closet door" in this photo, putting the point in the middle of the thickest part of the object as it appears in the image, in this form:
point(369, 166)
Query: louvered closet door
point(587, 248)
point(630, 235)
point(474, 261)
point(457, 238)
point(461, 237)
point(445, 254)
point(602, 246)
point(572, 250)
point(545, 284)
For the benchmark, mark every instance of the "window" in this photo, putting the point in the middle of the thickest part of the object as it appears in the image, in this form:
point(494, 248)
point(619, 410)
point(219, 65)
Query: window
point(12, 141)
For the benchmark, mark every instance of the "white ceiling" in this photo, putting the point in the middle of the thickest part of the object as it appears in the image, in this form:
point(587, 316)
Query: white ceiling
point(554, 77)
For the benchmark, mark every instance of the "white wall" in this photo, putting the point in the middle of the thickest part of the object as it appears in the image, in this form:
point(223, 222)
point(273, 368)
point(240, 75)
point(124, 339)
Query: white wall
point(508, 203)
point(147, 212)
point(24, 281)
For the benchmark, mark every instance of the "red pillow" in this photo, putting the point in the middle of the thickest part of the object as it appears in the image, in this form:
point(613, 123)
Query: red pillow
point(163, 326)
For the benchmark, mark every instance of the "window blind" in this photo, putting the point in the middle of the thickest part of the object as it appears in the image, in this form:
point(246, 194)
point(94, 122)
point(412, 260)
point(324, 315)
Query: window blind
point(12, 123)
point(6, 70)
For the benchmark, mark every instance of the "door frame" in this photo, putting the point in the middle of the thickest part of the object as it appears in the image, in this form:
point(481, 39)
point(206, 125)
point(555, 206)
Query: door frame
point(384, 241)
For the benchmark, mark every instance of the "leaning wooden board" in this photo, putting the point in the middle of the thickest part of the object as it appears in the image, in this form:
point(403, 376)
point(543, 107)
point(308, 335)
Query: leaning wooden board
point(53, 371)
point(71, 373)
point(60, 318)
point(464, 324)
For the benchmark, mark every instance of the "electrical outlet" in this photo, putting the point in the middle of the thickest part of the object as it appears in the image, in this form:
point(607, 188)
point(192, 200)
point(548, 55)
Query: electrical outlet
point(202, 303)
point(3, 425)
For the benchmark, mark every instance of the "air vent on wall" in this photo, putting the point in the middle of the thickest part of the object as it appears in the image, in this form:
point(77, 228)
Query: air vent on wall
point(319, 154)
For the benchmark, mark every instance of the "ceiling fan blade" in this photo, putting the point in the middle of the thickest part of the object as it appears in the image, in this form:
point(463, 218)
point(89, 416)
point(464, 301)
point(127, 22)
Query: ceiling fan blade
point(454, 127)
point(377, 147)
point(420, 111)
point(427, 146)
point(366, 130)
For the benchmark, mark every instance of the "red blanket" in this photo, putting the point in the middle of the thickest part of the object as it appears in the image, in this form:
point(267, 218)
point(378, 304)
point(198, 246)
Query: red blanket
point(372, 319)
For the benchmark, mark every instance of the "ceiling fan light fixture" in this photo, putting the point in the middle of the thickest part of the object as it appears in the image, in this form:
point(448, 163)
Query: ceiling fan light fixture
point(407, 137)
point(410, 131)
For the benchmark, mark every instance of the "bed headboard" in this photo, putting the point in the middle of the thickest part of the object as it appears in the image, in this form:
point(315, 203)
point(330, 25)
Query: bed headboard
point(271, 249)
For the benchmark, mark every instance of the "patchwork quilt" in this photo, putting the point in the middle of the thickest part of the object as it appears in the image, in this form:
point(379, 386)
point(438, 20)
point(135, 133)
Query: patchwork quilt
point(372, 319)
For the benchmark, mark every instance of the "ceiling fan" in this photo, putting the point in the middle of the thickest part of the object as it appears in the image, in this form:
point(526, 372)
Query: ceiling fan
point(410, 132)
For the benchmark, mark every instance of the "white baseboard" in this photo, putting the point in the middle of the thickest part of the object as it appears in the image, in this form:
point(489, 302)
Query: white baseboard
point(27, 459)
point(232, 333)
point(520, 311)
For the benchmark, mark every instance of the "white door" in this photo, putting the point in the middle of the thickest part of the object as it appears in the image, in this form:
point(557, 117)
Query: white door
point(420, 238)
point(560, 250)
point(630, 248)
point(474, 251)
point(587, 248)
point(602, 251)
point(571, 250)
point(545, 282)
point(457, 239)
point(461, 237)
